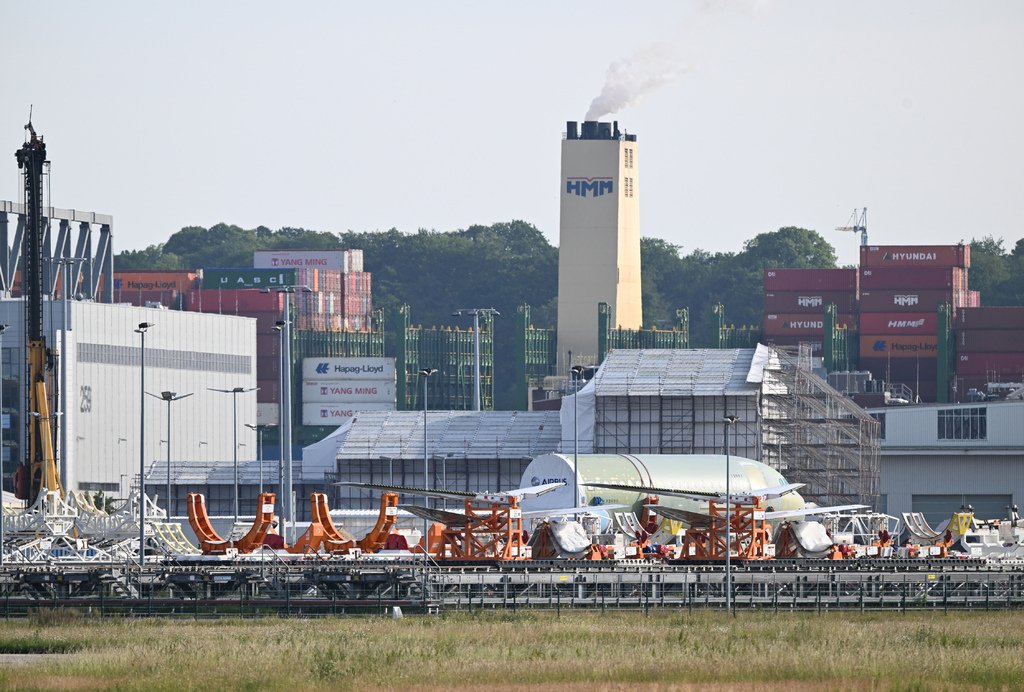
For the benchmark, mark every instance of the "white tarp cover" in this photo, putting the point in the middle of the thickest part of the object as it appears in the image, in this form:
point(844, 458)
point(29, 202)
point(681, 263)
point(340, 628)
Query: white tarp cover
point(569, 537)
point(585, 413)
point(812, 537)
point(322, 457)
point(761, 360)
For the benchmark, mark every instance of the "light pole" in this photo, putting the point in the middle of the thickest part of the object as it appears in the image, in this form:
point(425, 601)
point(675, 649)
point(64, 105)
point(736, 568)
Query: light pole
point(169, 397)
point(259, 428)
point(476, 312)
point(234, 430)
point(425, 373)
point(729, 420)
point(62, 401)
point(3, 328)
point(141, 331)
point(577, 373)
point(283, 326)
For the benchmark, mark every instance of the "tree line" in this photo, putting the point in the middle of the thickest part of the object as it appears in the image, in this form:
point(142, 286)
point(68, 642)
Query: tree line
point(506, 264)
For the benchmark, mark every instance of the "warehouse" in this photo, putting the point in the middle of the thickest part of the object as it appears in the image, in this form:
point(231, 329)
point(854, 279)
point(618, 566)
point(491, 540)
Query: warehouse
point(185, 353)
point(936, 458)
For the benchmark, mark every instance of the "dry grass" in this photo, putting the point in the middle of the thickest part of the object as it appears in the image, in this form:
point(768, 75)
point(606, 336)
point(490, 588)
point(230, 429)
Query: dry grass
point(526, 650)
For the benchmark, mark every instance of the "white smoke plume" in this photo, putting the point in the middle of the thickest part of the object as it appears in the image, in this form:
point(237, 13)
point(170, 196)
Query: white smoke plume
point(631, 78)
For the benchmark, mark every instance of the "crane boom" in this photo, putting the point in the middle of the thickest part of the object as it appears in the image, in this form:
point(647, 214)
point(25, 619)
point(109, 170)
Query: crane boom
point(42, 463)
point(858, 223)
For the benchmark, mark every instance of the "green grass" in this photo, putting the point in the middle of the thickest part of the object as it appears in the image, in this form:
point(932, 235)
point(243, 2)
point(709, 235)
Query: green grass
point(526, 650)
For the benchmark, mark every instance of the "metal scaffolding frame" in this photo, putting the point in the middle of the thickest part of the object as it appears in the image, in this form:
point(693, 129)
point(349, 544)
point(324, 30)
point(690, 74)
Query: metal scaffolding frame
point(813, 434)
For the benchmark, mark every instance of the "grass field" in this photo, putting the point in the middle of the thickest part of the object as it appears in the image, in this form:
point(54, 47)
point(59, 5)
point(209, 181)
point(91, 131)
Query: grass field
point(519, 651)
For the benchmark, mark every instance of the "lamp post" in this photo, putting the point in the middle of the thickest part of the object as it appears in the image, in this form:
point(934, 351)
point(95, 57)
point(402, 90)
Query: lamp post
point(3, 328)
point(62, 402)
point(425, 373)
point(141, 331)
point(259, 428)
point(577, 373)
point(234, 430)
point(476, 312)
point(729, 420)
point(169, 397)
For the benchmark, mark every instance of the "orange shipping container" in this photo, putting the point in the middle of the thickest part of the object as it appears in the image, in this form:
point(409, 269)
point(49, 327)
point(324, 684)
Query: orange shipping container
point(155, 281)
point(888, 346)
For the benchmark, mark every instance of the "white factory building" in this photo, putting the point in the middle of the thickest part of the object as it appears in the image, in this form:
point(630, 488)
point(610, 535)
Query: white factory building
point(101, 421)
point(938, 457)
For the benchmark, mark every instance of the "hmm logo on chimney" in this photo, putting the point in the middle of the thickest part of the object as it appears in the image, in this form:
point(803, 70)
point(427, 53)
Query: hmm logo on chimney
point(594, 187)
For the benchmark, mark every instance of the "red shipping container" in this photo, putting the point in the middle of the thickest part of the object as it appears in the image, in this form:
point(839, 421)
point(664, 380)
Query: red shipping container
point(267, 367)
point(809, 301)
point(973, 299)
point(922, 278)
point(887, 346)
point(245, 301)
point(1007, 367)
point(991, 340)
point(898, 323)
point(268, 392)
point(801, 324)
point(991, 318)
point(802, 280)
point(915, 256)
point(903, 301)
point(156, 280)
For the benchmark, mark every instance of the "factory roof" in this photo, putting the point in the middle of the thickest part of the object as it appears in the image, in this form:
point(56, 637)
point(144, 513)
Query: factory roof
point(678, 372)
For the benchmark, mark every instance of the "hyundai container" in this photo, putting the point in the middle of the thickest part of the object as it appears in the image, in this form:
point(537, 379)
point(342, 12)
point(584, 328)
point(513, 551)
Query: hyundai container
point(811, 325)
point(915, 256)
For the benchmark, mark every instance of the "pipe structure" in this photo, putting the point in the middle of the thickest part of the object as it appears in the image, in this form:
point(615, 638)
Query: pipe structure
point(141, 331)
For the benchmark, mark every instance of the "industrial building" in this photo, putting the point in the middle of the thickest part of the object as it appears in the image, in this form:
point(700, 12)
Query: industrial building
point(599, 236)
point(100, 429)
point(936, 458)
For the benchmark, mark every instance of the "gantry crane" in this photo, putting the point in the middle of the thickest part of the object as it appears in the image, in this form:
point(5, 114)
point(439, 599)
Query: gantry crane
point(858, 223)
point(41, 461)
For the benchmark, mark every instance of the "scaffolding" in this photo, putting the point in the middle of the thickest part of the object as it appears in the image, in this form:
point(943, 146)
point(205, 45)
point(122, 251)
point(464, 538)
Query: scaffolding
point(813, 434)
point(731, 336)
point(536, 355)
point(609, 337)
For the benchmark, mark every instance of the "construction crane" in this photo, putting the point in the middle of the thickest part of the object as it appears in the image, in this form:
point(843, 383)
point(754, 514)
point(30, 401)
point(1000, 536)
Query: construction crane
point(41, 461)
point(858, 223)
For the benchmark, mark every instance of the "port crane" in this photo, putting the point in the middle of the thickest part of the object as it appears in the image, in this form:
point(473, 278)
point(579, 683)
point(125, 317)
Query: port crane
point(41, 460)
point(858, 223)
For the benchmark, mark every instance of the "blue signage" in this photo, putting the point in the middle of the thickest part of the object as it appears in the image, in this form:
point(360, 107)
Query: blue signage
point(595, 187)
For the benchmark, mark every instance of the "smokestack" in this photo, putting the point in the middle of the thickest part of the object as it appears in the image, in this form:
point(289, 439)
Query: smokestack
point(570, 130)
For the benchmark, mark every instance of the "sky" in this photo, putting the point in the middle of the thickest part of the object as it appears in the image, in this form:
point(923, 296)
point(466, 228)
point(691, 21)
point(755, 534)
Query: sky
point(750, 115)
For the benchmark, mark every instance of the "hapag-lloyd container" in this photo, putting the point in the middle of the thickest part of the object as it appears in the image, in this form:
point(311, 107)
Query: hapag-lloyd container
point(810, 301)
point(915, 256)
point(812, 325)
point(1004, 367)
point(991, 318)
point(781, 279)
point(921, 278)
point(889, 346)
point(907, 300)
point(992, 340)
point(899, 323)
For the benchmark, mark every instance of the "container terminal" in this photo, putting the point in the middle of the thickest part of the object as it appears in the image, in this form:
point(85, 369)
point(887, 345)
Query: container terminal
point(797, 465)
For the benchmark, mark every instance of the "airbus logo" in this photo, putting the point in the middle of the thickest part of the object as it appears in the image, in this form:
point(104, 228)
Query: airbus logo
point(595, 187)
point(536, 480)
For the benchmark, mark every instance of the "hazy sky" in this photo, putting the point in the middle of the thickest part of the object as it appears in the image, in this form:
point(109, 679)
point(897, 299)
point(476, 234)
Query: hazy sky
point(336, 116)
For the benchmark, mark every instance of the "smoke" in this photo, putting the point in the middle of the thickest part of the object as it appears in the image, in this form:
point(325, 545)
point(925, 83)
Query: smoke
point(631, 78)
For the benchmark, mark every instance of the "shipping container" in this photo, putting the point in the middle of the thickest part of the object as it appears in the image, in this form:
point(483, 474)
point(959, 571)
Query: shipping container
point(1000, 366)
point(225, 277)
point(244, 301)
point(991, 318)
point(805, 324)
point(156, 280)
point(887, 346)
point(269, 390)
point(169, 299)
point(899, 323)
point(911, 278)
point(810, 279)
point(973, 299)
point(991, 340)
point(267, 367)
point(905, 370)
point(904, 300)
point(809, 301)
point(915, 256)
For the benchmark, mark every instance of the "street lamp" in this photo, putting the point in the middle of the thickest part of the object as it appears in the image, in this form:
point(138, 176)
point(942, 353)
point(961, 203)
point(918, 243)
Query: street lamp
point(476, 312)
point(141, 331)
point(425, 373)
point(3, 328)
point(577, 374)
point(259, 428)
point(234, 430)
point(729, 420)
point(169, 397)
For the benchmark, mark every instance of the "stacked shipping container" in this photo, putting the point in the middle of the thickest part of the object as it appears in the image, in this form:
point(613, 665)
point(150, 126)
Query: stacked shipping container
point(901, 289)
point(795, 302)
point(990, 347)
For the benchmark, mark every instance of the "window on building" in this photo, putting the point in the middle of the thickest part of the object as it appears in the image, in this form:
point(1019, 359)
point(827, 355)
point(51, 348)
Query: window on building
point(880, 417)
point(963, 424)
